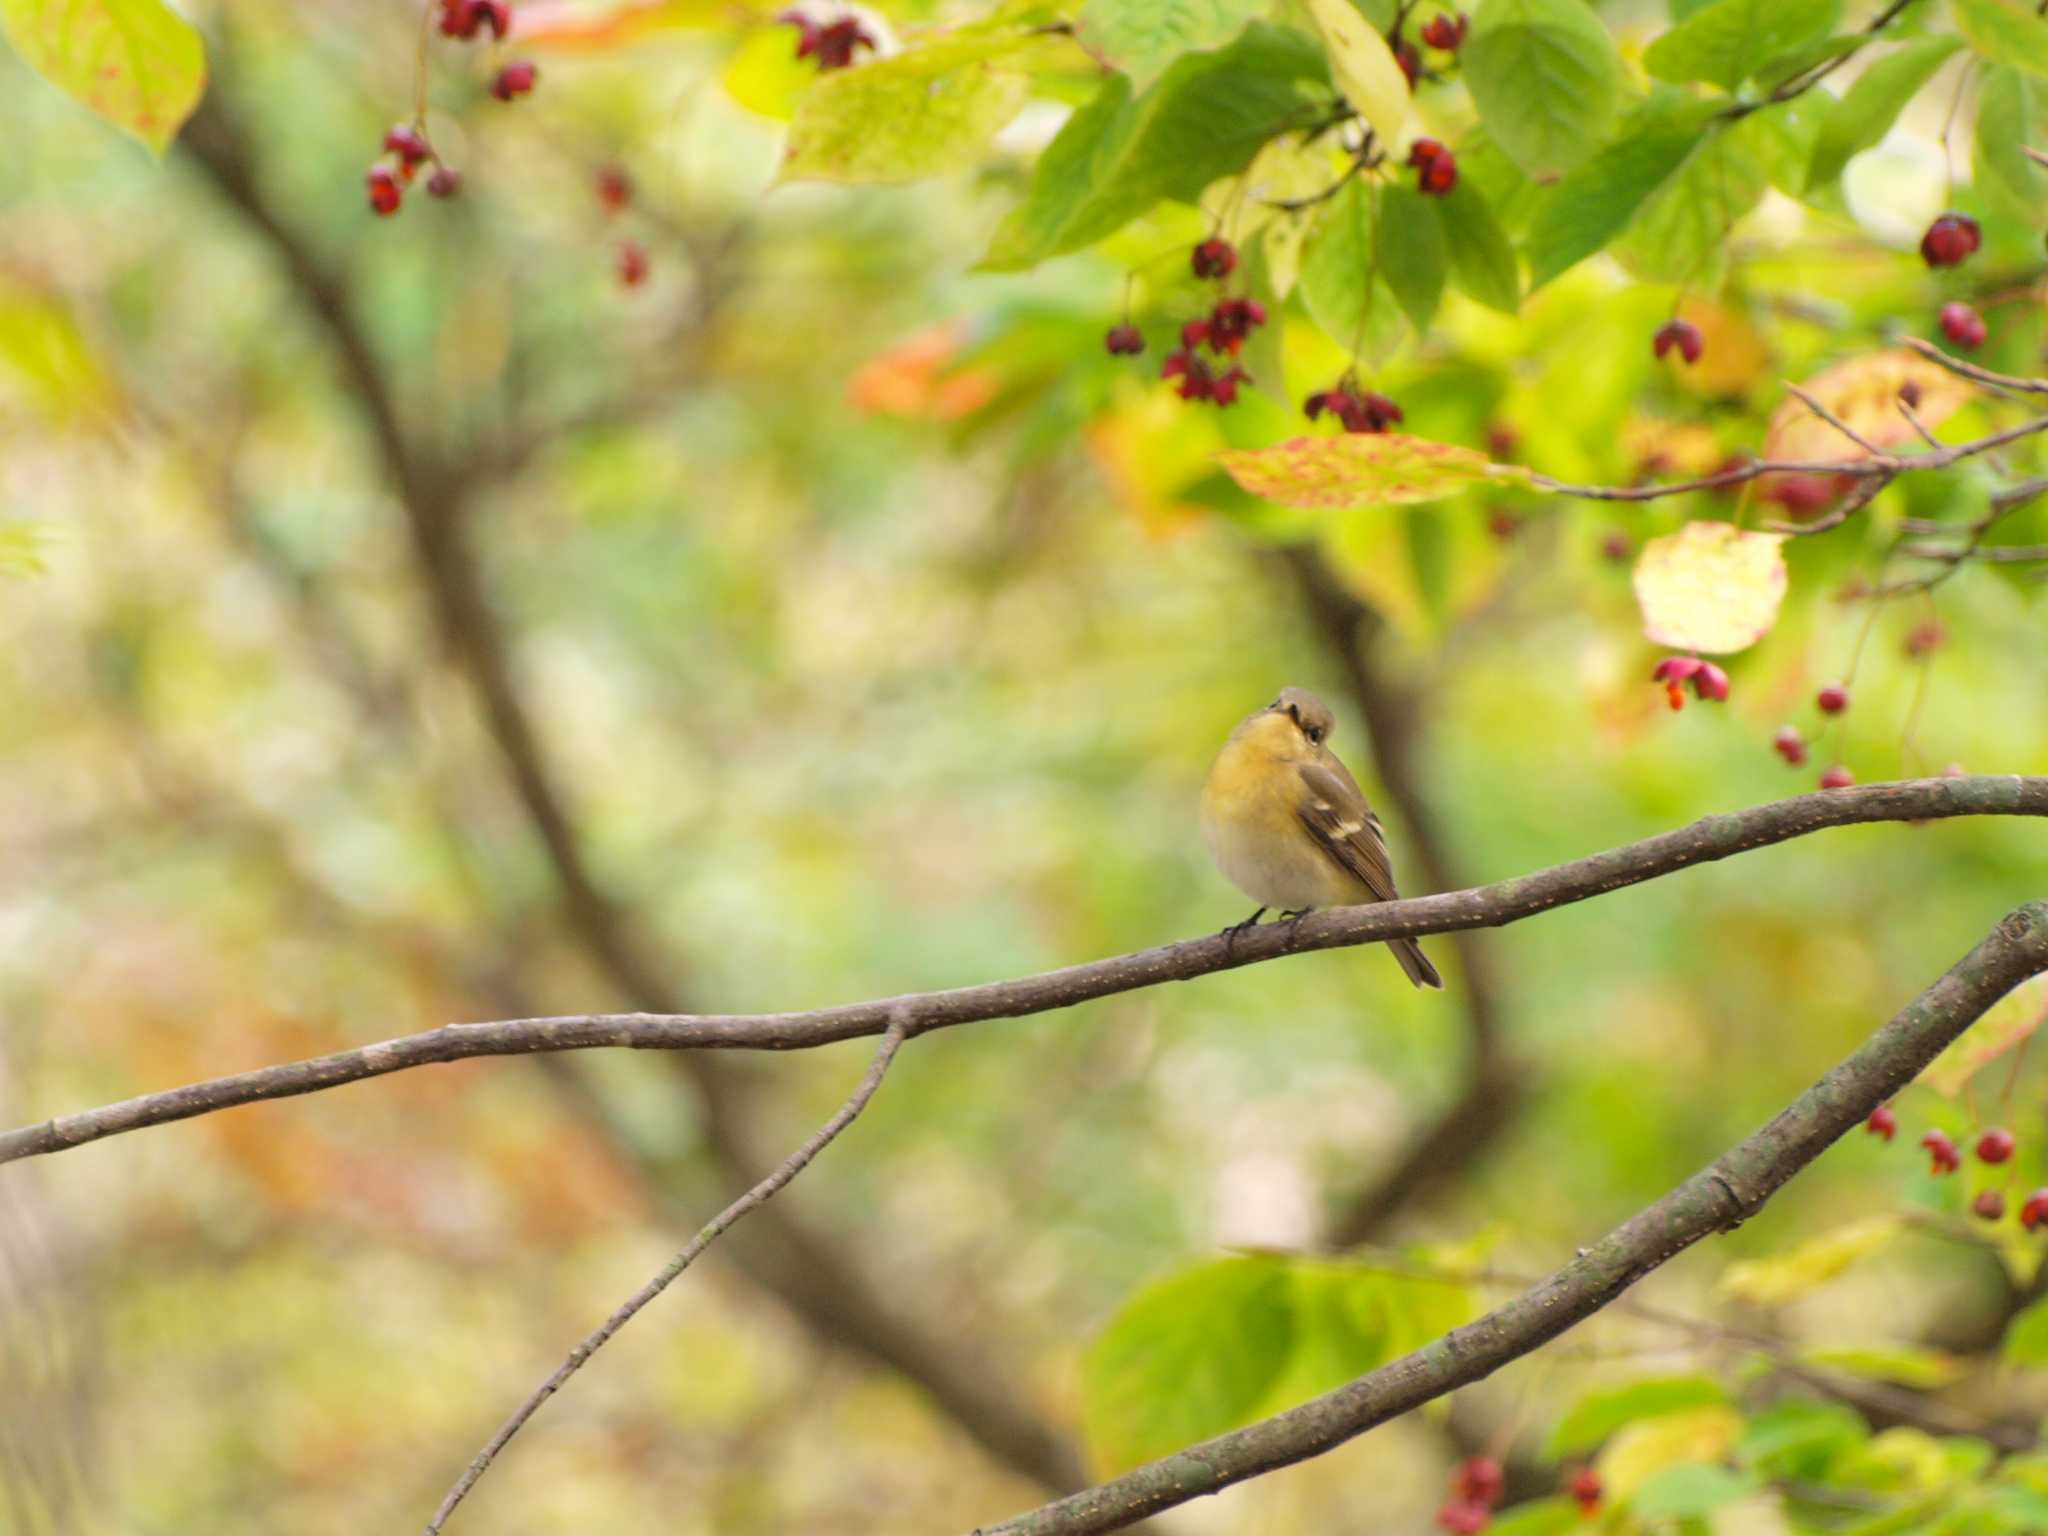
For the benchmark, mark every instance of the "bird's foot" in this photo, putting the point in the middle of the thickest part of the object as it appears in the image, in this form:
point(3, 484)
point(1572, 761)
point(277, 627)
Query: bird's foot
point(1293, 922)
point(1230, 934)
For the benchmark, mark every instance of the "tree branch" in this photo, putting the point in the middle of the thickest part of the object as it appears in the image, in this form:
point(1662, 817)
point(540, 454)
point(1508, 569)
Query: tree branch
point(798, 1264)
point(1716, 1199)
point(754, 1198)
point(1486, 906)
point(1485, 1101)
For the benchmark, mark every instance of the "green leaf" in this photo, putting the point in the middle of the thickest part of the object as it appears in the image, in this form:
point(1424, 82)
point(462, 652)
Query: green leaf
point(1539, 1517)
point(1338, 282)
point(920, 113)
point(1340, 1329)
point(1365, 67)
point(1781, 138)
point(1482, 261)
point(1727, 42)
point(1363, 470)
point(1798, 1437)
point(1680, 233)
point(1599, 1414)
point(1689, 1491)
point(1143, 37)
point(2026, 1337)
point(1546, 79)
point(1191, 1356)
point(1869, 108)
point(1907, 1364)
point(1806, 1266)
point(1594, 204)
point(2005, 32)
point(137, 63)
point(2010, 115)
point(1206, 117)
point(1411, 253)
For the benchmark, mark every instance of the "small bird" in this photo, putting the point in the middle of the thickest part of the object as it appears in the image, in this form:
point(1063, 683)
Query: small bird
point(1290, 827)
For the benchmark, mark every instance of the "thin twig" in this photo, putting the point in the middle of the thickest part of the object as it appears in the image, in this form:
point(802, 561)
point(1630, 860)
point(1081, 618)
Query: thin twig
point(760, 1194)
point(1974, 373)
point(1806, 399)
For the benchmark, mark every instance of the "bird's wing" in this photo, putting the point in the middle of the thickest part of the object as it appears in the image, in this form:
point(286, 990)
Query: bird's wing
point(1344, 827)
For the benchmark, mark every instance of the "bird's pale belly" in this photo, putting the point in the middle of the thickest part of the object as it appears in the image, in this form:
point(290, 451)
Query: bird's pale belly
point(1264, 851)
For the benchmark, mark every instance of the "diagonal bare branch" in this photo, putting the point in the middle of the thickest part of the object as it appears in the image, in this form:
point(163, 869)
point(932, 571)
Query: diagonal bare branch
point(1486, 906)
point(1716, 1199)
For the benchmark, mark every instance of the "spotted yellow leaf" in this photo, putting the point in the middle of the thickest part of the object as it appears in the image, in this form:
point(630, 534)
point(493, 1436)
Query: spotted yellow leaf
point(1710, 586)
point(1362, 470)
point(1865, 393)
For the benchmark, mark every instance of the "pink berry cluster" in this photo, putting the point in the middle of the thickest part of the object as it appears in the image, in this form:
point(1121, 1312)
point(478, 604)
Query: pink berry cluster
point(831, 43)
point(406, 146)
point(1360, 409)
point(1681, 335)
point(465, 20)
point(1478, 1483)
point(1792, 746)
point(1674, 672)
point(1221, 333)
point(1994, 1148)
point(1963, 326)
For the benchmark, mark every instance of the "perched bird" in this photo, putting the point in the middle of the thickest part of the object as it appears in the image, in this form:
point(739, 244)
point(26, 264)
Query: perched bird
point(1290, 827)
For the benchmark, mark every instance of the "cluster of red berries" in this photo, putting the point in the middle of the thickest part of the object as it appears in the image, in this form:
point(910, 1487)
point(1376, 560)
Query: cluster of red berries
point(1683, 335)
point(408, 148)
point(1361, 410)
point(1791, 745)
point(1950, 240)
point(467, 19)
point(1477, 1484)
point(614, 189)
point(1963, 326)
point(1446, 32)
point(1436, 168)
point(1708, 681)
point(1199, 381)
point(831, 43)
point(1994, 1149)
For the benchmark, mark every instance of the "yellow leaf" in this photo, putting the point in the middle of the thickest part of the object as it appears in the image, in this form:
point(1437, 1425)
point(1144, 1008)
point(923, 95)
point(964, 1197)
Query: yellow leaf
point(2010, 1022)
point(1362, 470)
point(1639, 1451)
point(1710, 586)
point(1864, 393)
point(1809, 1265)
point(1365, 69)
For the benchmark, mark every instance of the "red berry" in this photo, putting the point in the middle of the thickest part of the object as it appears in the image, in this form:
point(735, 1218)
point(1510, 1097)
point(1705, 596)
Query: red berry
point(1882, 1122)
point(1584, 1486)
point(1910, 392)
point(385, 191)
point(1214, 258)
point(514, 80)
point(445, 182)
point(1710, 682)
point(1963, 326)
point(1950, 239)
point(1124, 340)
point(1682, 334)
point(1461, 1517)
point(1436, 167)
point(465, 18)
point(1989, 1204)
point(1924, 637)
point(1444, 32)
point(2035, 1211)
point(1675, 669)
point(1478, 1480)
point(614, 188)
point(1832, 699)
point(1502, 440)
point(1996, 1145)
point(1229, 324)
point(833, 43)
point(1615, 546)
point(408, 143)
point(1791, 746)
point(1409, 57)
point(632, 263)
point(1942, 1151)
point(1502, 524)
point(1837, 777)
point(1359, 410)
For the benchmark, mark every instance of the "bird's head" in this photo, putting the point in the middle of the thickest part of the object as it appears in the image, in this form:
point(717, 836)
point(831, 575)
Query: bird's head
point(1294, 726)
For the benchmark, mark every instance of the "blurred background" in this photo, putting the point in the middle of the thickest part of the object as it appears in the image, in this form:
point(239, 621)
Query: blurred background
point(406, 621)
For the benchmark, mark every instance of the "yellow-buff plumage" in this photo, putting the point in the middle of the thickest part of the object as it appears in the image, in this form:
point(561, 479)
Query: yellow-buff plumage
point(1291, 828)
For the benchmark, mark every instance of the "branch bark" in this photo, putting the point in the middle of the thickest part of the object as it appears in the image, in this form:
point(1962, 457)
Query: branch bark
point(1487, 906)
point(798, 1264)
point(1716, 1199)
point(1486, 1100)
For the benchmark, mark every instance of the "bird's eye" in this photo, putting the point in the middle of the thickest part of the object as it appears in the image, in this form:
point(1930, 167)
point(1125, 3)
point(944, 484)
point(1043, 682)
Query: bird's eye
point(1315, 735)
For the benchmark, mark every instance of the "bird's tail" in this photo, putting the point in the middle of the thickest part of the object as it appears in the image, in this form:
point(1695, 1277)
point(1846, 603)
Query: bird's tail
point(1415, 963)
